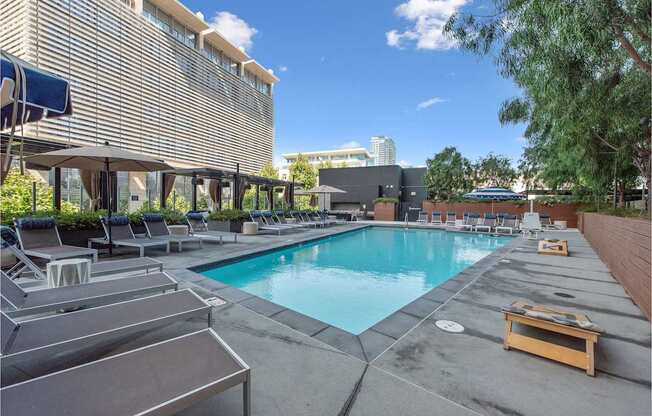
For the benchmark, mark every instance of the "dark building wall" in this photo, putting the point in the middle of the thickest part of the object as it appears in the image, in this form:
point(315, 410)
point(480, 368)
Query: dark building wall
point(365, 184)
point(413, 192)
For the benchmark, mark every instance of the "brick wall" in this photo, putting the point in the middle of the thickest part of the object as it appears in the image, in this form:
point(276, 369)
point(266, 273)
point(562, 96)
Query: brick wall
point(385, 212)
point(563, 212)
point(624, 245)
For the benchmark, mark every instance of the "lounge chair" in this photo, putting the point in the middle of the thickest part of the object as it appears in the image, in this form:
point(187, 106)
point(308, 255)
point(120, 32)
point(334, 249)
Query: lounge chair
point(316, 216)
point(546, 222)
point(435, 218)
point(9, 242)
point(303, 220)
point(157, 229)
point(324, 216)
point(508, 225)
point(423, 217)
point(39, 237)
point(485, 224)
point(21, 303)
point(451, 217)
point(268, 218)
point(199, 228)
point(531, 225)
point(158, 379)
point(257, 217)
point(41, 345)
point(470, 221)
point(278, 219)
point(122, 235)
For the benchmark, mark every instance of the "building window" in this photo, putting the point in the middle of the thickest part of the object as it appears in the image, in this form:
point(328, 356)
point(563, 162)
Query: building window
point(169, 25)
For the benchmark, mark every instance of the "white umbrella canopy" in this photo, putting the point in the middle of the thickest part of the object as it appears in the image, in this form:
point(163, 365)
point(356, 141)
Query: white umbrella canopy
point(98, 158)
point(324, 189)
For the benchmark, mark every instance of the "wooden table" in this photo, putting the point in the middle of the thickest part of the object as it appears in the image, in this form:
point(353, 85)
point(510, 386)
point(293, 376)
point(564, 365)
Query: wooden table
point(580, 359)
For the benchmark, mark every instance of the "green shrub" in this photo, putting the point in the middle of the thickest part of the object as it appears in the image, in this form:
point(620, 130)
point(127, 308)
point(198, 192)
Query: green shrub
point(228, 215)
point(385, 200)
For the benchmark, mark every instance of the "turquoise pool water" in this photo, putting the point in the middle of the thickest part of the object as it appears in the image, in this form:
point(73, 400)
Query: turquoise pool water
point(352, 281)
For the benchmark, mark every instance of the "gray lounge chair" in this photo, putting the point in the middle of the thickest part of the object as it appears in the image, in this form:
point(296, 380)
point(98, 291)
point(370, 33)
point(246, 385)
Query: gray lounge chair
point(39, 237)
point(25, 266)
point(122, 235)
point(279, 219)
point(268, 217)
point(435, 218)
point(157, 229)
point(320, 216)
point(300, 219)
point(39, 346)
point(485, 224)
point(199, 228)
point(470, 221)
point(262, 225)
point(451, 217)
point(21, 302)
point(158, 379)
point(423, 217)
point(509, 224)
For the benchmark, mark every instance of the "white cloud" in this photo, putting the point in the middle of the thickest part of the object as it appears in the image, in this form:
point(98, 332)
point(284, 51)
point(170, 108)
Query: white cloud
point(282, 69)
point(429, 103)
point(427, 19)
point(404, 164)
point(351, 144)
point(234, 29)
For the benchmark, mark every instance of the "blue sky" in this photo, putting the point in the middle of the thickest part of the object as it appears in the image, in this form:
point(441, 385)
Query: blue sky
point(353, 69)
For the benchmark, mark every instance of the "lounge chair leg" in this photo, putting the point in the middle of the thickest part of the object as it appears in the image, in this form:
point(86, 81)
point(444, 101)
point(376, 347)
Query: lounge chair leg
point(246, 397)
point(167, 248)
point(142, 251)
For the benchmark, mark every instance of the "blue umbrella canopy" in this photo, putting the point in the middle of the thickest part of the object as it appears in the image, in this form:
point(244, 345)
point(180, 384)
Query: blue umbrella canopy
point(30, 93)
point(494, 194)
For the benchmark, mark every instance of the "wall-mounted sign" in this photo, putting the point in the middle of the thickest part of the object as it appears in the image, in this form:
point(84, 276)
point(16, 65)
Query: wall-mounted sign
point(134, 198)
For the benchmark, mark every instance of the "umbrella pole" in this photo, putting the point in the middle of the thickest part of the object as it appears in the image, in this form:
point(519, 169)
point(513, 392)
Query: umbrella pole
point(108, 193)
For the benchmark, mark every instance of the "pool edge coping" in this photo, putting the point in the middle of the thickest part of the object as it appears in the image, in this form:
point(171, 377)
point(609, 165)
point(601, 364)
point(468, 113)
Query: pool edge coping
point(374, 341)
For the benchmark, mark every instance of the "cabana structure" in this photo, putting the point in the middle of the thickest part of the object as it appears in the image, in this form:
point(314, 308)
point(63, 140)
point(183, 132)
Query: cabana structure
point(221, 178)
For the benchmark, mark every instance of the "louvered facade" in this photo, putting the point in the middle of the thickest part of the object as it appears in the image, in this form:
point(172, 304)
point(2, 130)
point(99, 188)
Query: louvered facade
point(139, 85)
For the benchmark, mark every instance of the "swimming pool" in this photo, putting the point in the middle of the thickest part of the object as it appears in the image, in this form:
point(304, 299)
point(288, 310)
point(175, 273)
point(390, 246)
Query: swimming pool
point(356, 279)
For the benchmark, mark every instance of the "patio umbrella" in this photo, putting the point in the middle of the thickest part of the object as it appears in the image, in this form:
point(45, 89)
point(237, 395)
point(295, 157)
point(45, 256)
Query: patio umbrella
point(28, 94)
point(99, 158)
point(324, 190)
point(494, 194)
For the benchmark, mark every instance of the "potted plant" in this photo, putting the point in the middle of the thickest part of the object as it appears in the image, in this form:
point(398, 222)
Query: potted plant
point(385, 209)
point(227, 220)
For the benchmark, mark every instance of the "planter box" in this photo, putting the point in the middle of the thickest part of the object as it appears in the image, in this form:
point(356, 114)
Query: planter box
point(79, 238)
point(230, 226)
point(385, 211)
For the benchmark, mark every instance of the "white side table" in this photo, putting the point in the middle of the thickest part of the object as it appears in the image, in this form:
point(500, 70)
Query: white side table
point(250, 228)
point(178, 229)
point(68, 272)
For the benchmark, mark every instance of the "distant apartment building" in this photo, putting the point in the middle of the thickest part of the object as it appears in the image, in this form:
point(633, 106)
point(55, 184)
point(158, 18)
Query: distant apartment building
point(383, 151)
point(350, 157)
point(147, 75)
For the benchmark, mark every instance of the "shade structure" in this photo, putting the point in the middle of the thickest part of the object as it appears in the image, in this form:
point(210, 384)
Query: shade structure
point(494, 194)
point(99, 158)
point(30, 94)
point(324, 189)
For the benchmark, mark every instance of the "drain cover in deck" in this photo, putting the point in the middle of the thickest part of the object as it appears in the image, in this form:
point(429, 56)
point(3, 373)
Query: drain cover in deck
point(449, 326)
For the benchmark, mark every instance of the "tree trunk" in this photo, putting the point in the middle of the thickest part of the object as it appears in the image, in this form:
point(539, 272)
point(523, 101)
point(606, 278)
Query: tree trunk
point(621, 198)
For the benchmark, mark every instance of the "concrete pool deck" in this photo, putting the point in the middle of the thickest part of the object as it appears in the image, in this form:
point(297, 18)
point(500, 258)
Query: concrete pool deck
point(424, 370)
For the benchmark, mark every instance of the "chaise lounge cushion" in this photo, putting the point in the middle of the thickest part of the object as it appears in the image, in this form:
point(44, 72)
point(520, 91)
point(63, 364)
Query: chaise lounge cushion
point(30, 223)
point(152, 217)
point(196, 216)
point(117, 220)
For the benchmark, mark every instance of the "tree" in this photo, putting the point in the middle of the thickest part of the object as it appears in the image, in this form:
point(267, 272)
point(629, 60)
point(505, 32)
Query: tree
point(304, 173)
point(584, 68)
point(16, 196)
point(448, 174)
point(326, 164)
point(269, 171)
point(495, 170)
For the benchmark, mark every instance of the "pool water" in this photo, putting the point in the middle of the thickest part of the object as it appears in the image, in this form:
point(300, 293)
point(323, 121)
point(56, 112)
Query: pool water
point(356, 279)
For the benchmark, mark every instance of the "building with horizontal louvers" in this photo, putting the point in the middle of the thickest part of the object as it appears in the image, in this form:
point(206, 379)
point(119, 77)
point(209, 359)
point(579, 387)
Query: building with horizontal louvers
point(149, 76)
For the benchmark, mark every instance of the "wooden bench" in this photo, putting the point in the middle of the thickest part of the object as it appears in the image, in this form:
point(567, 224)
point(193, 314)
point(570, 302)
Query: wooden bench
point(581, 359)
